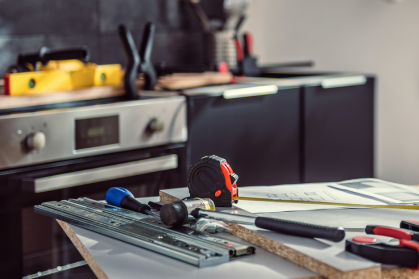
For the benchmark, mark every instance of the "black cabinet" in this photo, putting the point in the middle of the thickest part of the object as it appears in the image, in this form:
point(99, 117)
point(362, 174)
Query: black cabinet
point(338, 132)
point(312, 132)
point(259, 135)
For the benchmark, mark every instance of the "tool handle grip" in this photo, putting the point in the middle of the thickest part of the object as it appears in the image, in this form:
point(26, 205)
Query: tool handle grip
point(82, 54)
point(335, 234)
point(390, 232)
point(131, 203)
point(122, 197)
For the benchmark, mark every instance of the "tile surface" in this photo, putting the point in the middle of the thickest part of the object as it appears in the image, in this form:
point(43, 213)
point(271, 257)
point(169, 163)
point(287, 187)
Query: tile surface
point(47, 16)
point(26, 26)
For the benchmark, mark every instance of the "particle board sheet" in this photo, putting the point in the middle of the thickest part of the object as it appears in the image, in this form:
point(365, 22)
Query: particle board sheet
point(319, 257)
point(82, 250)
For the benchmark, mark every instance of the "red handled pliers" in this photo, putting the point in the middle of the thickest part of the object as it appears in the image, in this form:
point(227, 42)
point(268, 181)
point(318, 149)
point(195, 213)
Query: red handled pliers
point(405, 253)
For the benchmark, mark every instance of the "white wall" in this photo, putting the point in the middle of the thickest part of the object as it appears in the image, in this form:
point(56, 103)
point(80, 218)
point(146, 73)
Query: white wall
point(370, 36)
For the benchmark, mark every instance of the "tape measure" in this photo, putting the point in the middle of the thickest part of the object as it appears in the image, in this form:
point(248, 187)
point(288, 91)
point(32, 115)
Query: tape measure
point(212, 177)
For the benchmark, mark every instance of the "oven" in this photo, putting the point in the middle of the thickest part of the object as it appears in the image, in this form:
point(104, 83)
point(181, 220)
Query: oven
point(81, 152)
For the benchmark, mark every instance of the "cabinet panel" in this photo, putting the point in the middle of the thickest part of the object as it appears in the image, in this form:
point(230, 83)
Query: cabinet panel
point(338, 132)
point(259, 136)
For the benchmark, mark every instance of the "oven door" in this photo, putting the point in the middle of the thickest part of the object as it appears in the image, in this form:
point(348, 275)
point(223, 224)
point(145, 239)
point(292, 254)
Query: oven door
point(37, 243)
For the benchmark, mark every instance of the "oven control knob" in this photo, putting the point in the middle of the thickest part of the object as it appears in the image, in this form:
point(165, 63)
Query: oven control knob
point(36, 141)
point(155, 125)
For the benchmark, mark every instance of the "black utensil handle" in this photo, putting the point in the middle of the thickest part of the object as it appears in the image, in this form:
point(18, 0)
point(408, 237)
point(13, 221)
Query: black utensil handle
point(239, 24)
point(247, 44)
point(335, 234)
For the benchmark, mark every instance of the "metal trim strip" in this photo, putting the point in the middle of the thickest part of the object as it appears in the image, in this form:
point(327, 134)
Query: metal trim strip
point(250, 91)
point(72, 179)
point(343, 81)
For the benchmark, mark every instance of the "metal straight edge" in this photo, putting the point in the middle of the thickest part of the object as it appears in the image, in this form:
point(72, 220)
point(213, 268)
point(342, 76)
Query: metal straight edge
point(190, 239)
point(215, 243)
point(250, 91)
point(66, 212)
point(105, 173)
point(56, 270)
point(123, 217)
point(343, 81)
point(162, 248)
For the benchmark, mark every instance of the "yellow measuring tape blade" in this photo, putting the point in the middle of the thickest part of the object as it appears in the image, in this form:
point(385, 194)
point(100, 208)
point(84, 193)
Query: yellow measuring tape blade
point(412, 207)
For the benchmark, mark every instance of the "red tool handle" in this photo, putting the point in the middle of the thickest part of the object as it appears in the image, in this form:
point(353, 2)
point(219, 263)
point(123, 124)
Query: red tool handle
point(388, 231)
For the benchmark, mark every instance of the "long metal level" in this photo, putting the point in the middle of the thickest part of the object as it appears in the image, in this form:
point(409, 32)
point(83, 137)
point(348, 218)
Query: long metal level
point(184, 244)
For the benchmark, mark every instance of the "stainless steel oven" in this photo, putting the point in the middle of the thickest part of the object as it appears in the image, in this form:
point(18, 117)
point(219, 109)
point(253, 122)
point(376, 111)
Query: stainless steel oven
point(81, 151)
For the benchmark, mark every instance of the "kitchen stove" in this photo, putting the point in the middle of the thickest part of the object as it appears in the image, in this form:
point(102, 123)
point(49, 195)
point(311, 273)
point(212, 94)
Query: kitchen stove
point(76, 149)
point(45, 136)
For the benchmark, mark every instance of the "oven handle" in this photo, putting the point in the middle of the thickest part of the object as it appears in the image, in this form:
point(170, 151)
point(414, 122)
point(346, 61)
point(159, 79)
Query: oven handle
point(66, 180)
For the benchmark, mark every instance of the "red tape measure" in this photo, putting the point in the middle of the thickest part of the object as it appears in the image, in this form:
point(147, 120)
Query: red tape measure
point(212, 177)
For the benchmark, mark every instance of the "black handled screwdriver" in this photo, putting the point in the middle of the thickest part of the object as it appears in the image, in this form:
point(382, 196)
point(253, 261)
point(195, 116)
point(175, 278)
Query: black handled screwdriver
point(335, 234)
point(121, 197)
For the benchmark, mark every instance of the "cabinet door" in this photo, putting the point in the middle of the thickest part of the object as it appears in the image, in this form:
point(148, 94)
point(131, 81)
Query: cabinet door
point(338, 132)
point(258, 136)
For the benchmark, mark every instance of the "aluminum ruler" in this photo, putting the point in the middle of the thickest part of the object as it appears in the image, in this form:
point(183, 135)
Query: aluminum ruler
point(183, 243)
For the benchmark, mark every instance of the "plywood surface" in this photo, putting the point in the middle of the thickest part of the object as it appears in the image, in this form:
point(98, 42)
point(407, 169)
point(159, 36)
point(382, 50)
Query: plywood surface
point(335, 262)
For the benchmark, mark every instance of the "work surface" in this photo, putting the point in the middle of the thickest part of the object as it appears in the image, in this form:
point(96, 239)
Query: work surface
point(110, 258)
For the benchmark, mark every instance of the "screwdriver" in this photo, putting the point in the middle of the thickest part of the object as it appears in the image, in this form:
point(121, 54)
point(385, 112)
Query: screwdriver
point(334, 234)
point(122, 197)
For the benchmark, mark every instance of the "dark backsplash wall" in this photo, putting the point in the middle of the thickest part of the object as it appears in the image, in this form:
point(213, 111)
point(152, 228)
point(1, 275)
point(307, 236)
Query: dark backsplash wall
point(27, 25)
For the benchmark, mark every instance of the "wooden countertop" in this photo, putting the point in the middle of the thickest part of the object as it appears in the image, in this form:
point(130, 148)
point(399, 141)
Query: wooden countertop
point(9, 102)
point(170, 82)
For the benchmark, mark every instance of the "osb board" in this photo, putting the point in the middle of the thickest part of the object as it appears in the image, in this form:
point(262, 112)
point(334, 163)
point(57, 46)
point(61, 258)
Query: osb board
point(399, 273)
point(290, 254)
point(83, 251)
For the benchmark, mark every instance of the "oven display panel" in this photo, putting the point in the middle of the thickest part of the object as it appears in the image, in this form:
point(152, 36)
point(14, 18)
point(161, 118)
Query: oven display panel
point(99, 131)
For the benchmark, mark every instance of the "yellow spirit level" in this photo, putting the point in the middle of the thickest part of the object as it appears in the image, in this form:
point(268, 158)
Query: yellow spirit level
point(48, 71)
